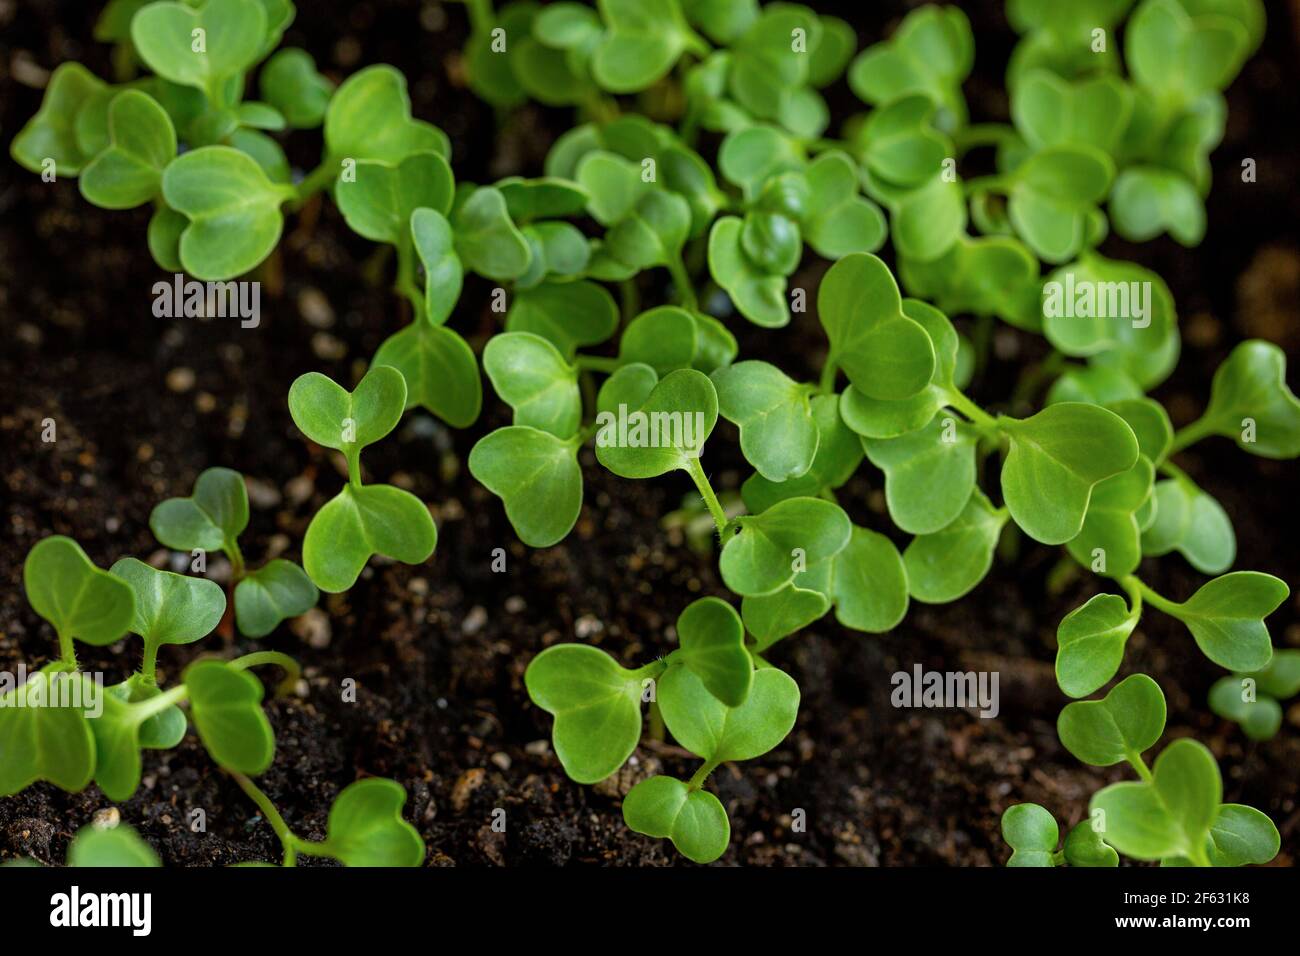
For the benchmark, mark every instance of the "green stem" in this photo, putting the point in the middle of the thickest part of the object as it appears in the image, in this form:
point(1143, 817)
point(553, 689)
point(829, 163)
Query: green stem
point(656, 721)
point(353, 455)
point(67, 650)
point(318, 179)
point(1169, 469)
point(1137, 763)
point(696, 44)
point(631, 299)
point(651, 670)
point(1133, 588)
point(701, 480)
point(481, 17)
point(982, 134)
point(1155, 599)
point(826, 385)
point(149, 662)
point(597, 363)
point(405, 283)
point(272, 815)
point(160, 702)
point(972, 411)
point(698, 778)
point(1190, 435)
point(682, 282)
point(292, 670)
point(231, 547)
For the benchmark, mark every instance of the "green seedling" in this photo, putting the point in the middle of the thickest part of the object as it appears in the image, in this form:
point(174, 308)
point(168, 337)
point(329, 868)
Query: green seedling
point(1173, 814)
point(1033, 835)
point(715, 696)
point(365, 828)
point(213, 518)
point(765, 74)
point(1254, 700)
point(786, 199)
point(63, 727)
point(80, 601)
point(362, 520)
point(1100, 140)
point(1225, 618)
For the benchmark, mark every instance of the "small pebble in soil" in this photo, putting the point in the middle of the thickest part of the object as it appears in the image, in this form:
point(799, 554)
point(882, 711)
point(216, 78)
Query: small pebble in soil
point(205, 402)
point(474, 620)
point(587, 626)
point(418, 586)
point(515, 604)
point(180, 379)
point(261, 493)
point(315, 308)
point(501, 760)
point(537, 748)
point(298, 489)
point(312, 628)
point(328, 347)
point(106, 819)
point(465, 786)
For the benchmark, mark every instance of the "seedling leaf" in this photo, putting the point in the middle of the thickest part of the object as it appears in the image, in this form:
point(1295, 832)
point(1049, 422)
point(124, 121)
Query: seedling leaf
point(78, 599)
point(596, 705)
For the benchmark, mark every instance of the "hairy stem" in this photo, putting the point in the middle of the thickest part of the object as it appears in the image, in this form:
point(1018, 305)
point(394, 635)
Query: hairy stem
point(698, 778)
point(706, 492)
point(272, 815)
point(149, 662)
point(67, 650)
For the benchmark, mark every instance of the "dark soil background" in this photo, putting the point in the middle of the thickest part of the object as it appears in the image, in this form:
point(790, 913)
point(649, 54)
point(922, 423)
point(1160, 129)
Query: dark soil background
point(142, 405)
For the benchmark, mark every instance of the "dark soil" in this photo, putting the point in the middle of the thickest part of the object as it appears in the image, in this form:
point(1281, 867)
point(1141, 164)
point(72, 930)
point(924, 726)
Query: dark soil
point(142, 405)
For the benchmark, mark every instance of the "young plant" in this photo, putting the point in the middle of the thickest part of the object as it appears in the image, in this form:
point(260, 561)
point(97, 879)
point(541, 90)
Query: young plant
point(44, 731)
point(361, 520)
point(212, 518)
point(716, 696)
point(1255, 700)
point(70, 735)
point(1174, 813)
